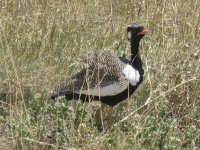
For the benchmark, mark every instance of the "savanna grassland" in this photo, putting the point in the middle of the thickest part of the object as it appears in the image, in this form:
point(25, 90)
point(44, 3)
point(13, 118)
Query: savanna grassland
point(40, 45)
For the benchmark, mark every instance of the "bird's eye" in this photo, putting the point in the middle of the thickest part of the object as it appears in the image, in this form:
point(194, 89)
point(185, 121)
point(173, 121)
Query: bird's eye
point(140, 29)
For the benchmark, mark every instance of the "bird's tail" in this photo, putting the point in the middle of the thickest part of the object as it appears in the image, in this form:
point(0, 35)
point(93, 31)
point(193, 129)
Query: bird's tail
point(60, 90)
point(54, 95)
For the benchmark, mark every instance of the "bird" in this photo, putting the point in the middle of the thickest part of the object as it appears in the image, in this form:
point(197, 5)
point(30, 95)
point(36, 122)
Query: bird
point(105, 77)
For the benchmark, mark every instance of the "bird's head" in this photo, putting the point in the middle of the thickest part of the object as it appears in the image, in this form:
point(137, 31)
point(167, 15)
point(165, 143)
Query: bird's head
point(136, 32)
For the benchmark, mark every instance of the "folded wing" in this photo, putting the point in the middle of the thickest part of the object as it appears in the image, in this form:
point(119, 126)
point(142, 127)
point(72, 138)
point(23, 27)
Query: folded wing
point(100, 74)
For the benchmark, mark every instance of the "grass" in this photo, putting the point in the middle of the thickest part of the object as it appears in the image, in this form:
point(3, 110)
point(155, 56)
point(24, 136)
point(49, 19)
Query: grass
point(40, 43)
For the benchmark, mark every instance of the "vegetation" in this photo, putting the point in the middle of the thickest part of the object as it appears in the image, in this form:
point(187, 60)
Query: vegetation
point(40, 43)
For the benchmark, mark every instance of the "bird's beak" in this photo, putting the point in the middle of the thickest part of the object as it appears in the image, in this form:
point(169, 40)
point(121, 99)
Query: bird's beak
point(143, 32)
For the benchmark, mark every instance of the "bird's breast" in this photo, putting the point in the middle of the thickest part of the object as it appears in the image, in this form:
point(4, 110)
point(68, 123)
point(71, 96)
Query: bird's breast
point(131, 74)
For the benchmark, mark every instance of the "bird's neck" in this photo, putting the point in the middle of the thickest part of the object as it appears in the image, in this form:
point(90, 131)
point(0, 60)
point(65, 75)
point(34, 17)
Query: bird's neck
point(135, 56)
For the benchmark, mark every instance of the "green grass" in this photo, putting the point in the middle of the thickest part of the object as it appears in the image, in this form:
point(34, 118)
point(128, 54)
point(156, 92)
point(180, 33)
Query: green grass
point(40, 43)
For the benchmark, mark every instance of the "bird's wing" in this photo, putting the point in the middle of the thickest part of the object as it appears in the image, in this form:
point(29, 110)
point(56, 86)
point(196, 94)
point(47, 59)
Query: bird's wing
point(98, 70)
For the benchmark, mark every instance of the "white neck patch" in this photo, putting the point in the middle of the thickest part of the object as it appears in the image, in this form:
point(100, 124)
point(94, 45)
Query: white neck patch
point(129, 35)
point(131, 74)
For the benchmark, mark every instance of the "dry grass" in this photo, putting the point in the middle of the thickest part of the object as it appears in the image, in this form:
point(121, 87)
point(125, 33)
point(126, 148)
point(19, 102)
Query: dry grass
point(40, 42)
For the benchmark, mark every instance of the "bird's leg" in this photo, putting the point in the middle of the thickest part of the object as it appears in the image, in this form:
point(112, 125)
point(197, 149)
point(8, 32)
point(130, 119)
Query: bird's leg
point(109, 117)
point(98, 115)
